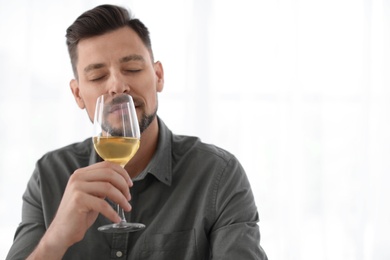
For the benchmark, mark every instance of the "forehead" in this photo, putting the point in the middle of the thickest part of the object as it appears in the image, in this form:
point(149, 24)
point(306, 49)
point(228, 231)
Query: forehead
point(112, 45)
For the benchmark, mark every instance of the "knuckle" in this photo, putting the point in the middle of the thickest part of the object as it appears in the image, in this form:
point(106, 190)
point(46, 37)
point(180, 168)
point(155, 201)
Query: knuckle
point(107, 187)
point(77, 197)
point(105, 207)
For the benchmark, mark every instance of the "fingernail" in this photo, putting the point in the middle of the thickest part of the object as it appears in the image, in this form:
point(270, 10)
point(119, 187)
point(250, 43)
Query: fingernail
point(129, 206)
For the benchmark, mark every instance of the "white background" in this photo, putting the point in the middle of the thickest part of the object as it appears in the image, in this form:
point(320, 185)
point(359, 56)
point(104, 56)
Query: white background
point(298, 90)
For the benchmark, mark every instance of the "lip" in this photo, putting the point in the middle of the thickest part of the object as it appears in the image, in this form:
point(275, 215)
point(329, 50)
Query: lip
point(115, 108)
point(137, 104)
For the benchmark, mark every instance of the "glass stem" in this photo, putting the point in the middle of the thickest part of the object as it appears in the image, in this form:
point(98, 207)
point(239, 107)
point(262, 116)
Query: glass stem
point(120, 211)
point(121, 214)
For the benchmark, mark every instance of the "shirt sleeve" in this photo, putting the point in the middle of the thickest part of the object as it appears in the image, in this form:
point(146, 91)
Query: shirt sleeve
point(32, 226)
point(235, 234)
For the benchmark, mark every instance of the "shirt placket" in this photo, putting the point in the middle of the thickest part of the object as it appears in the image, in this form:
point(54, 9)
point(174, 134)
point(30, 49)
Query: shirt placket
point(119, 246)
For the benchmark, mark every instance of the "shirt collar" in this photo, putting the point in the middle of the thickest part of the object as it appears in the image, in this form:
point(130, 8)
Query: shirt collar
point(161, 164)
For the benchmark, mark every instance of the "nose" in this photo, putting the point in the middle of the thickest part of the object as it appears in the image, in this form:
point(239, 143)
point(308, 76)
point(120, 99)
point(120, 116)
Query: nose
point(118, 85)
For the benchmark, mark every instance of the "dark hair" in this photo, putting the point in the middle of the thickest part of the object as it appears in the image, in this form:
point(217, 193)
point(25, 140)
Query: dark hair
point(98, 21)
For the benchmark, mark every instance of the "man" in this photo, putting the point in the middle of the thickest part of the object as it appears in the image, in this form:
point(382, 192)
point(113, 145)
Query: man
point(194, 198)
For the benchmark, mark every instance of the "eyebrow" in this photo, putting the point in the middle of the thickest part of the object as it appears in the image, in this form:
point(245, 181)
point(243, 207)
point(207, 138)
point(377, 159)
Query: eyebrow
point(93, 67)
point(132, 57)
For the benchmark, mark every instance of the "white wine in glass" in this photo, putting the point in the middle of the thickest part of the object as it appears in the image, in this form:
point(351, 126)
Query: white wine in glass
point(116, 149)
point(116, 139)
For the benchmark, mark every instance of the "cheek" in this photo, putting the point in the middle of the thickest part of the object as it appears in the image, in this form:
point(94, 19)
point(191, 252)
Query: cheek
point(91, 113)
point(90, 108)
point(89, 100)
point(152, 104)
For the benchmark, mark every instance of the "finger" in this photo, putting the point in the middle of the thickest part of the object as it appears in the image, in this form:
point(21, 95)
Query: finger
point(115, 167)
point(104, 169)
point(104, 190)
point(104, 208)
point(112, 181)
point(104, 173)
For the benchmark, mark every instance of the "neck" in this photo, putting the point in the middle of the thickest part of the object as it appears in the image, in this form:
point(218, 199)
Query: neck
point(146, 150)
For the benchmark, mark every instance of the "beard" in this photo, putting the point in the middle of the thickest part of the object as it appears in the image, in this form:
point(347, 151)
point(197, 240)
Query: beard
point(146, 120)
point(143, 122)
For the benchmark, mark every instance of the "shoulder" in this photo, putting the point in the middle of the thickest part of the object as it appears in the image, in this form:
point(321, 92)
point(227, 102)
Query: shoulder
point(191, 145)
point(79, 149)
point(53, 170)
point(206, 158)
point(72, 156)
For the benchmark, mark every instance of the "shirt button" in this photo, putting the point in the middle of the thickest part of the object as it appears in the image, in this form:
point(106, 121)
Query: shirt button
point(119, 253)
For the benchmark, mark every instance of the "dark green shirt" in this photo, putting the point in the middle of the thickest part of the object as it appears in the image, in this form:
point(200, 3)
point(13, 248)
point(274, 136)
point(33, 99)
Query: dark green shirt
point(194, 198)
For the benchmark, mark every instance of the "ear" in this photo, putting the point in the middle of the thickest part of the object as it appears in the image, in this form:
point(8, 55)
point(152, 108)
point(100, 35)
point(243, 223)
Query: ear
point(158, 69)
point(74, 86)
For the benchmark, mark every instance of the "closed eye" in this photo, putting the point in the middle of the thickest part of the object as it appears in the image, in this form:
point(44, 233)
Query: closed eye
point(97, 78)
point(133, 70)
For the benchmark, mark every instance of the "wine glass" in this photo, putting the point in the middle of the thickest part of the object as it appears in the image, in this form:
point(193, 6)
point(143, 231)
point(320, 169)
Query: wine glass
point(116, 139)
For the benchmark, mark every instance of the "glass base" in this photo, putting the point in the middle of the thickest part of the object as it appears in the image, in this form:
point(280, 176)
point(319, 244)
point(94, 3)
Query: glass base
point(122, 227)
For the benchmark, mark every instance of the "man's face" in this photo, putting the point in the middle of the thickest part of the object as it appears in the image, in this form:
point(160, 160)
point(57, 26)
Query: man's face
point(117, 62)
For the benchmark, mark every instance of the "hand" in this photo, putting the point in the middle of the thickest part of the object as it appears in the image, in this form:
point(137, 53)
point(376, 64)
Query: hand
point(84, 199)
